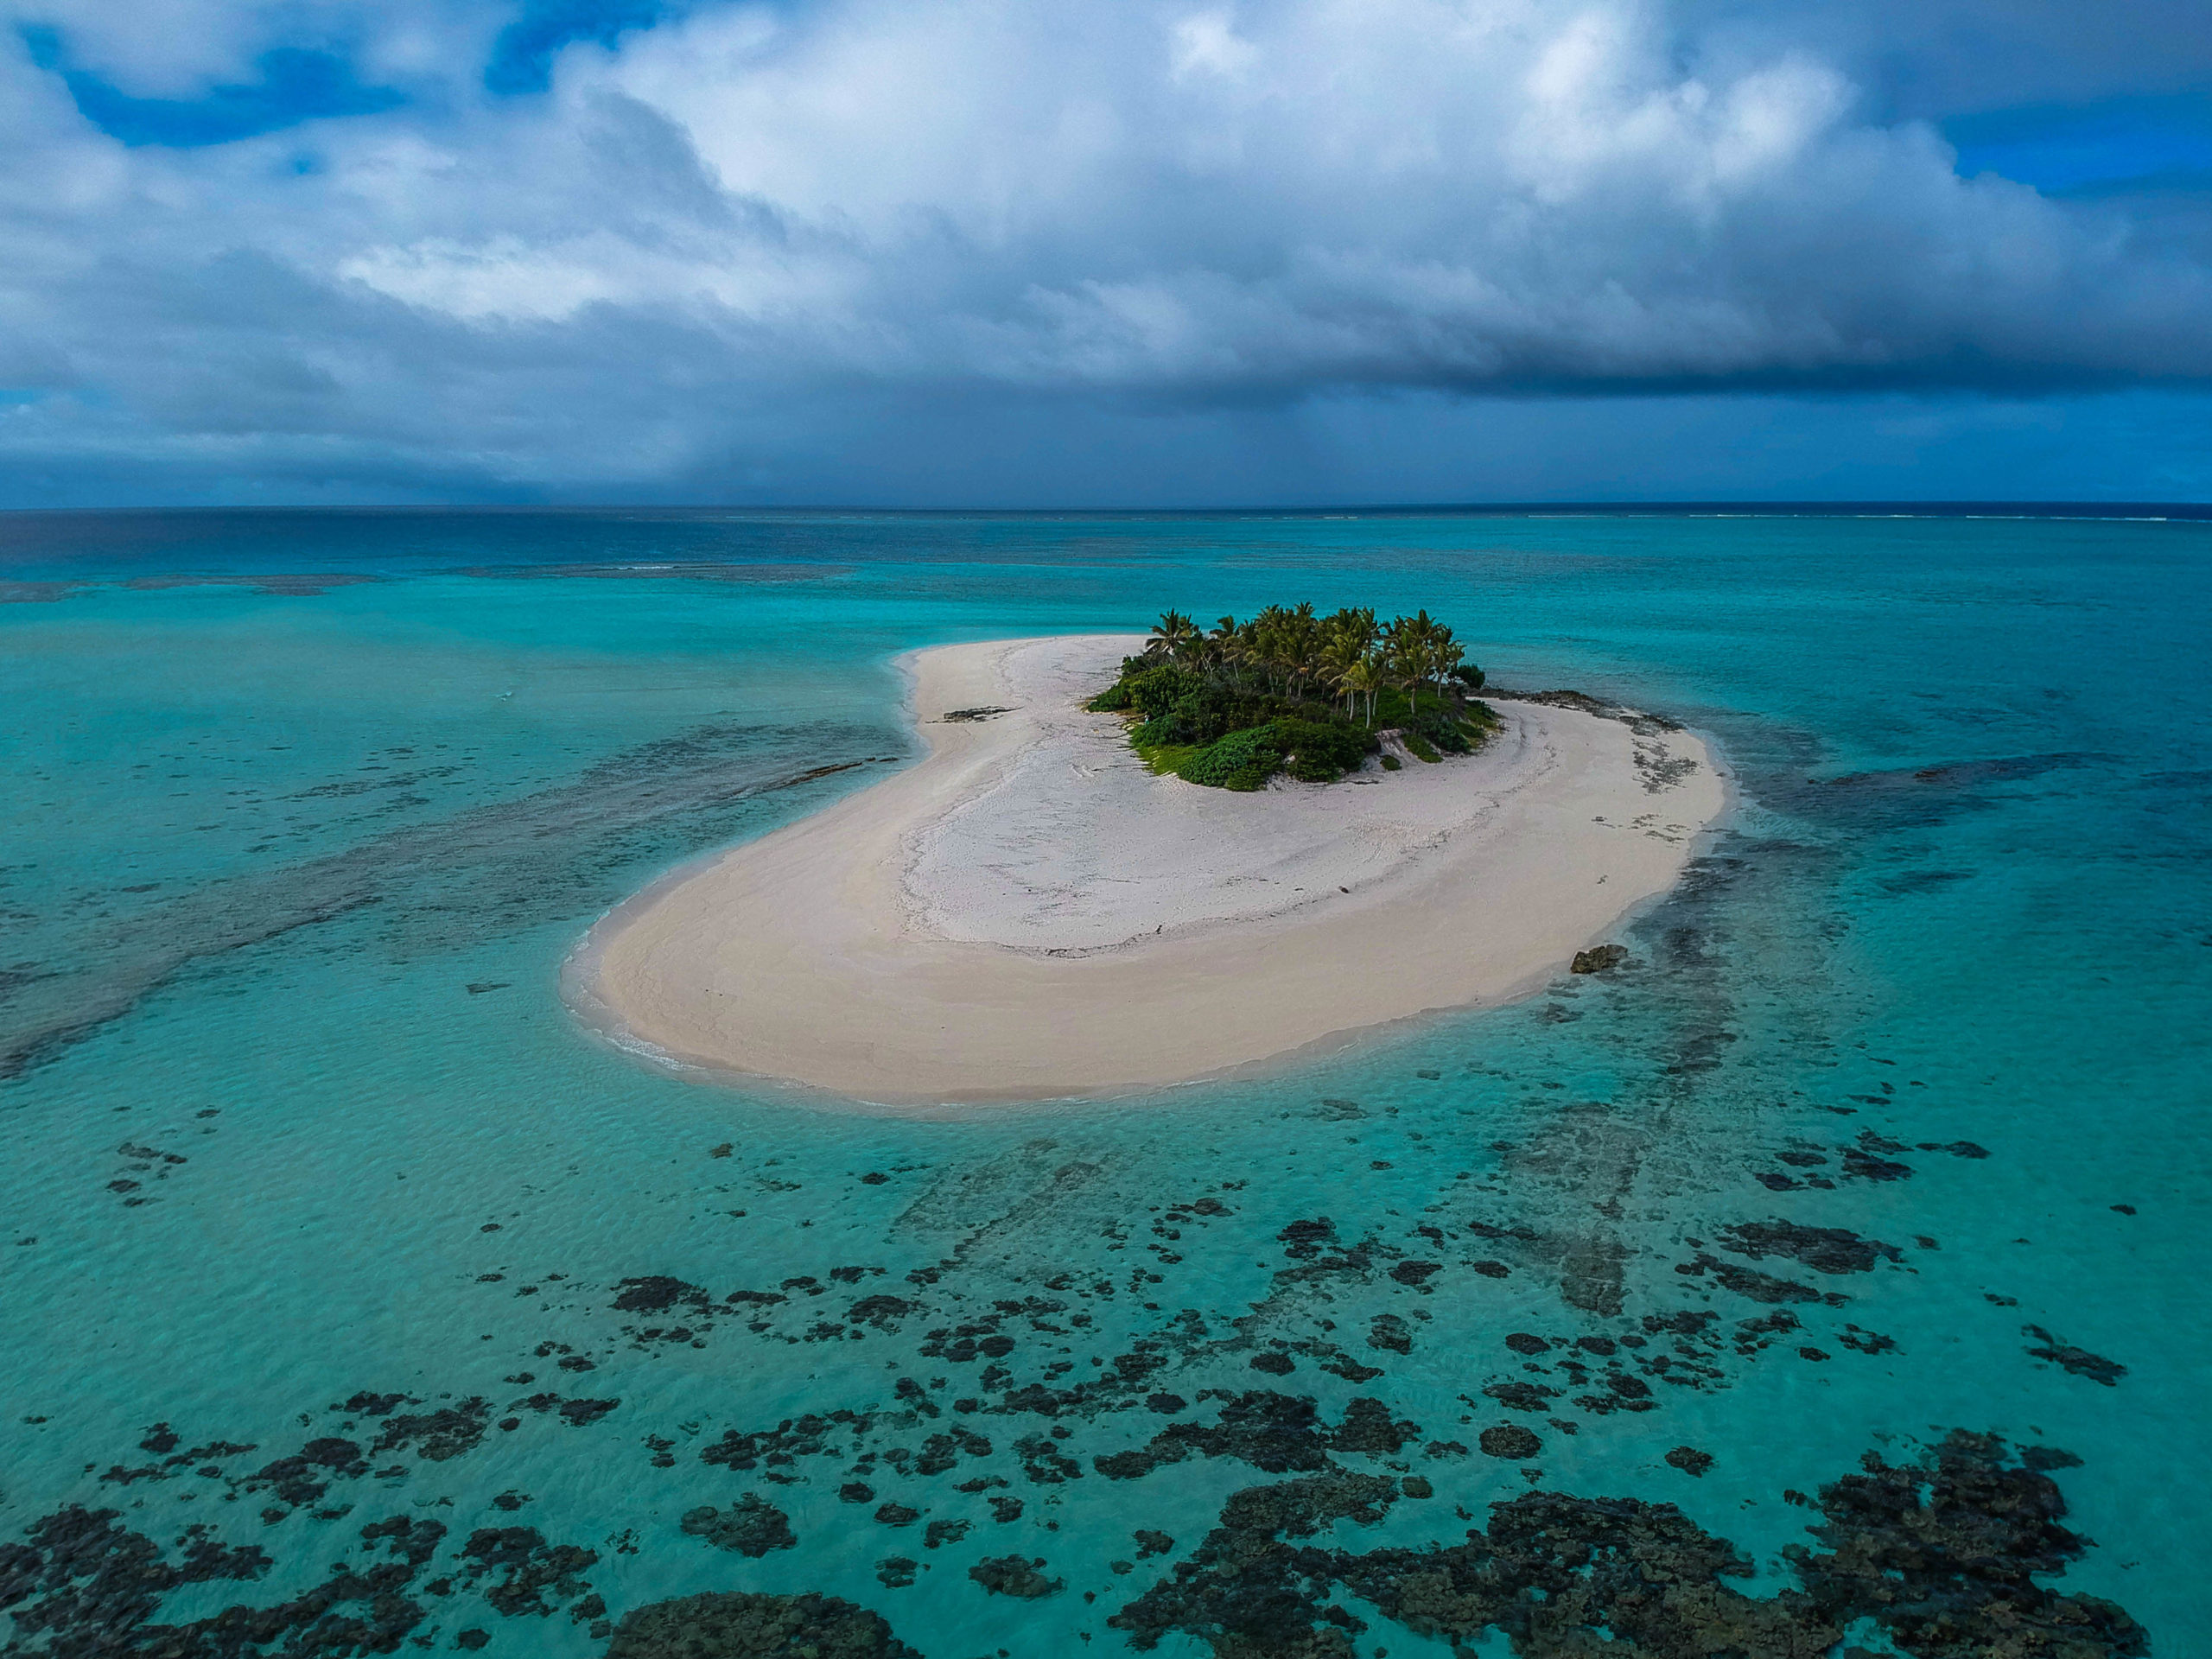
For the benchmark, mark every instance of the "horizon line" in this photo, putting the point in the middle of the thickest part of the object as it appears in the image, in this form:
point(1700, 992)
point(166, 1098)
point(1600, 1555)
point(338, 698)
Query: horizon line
point(1949, 507)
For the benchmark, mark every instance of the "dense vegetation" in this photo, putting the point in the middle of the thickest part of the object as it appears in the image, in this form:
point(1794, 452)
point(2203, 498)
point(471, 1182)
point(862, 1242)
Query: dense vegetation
point(1293, 692)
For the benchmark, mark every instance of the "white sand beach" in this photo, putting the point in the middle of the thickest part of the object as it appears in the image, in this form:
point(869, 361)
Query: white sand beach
point(1029, 913)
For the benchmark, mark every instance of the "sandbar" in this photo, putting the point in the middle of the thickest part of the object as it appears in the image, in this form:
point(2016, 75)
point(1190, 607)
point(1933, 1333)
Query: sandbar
point(1028, 913)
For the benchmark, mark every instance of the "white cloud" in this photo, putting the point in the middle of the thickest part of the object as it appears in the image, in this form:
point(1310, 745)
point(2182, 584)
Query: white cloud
point(753, 211)
point(1206, 43)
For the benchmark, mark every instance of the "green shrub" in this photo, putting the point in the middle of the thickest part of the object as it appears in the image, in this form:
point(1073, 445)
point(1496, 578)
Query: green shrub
point(1157, 733)
point(1391, 763)
point(1242, 760)
point(1320, 752)
point(1421, 749)
point(1451, 733)
point(1153, 691)
point(1440, 732)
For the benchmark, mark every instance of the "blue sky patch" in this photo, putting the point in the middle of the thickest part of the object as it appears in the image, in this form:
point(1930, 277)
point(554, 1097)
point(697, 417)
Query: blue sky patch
point(297, 84)
point(2101, 149)
point(522, 58)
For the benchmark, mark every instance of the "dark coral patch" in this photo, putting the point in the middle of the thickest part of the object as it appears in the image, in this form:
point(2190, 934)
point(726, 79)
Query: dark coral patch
point(1941, 1557)
point(751, 1526)
point(1509, 1440)
point(2077, 1361)
point(1022, 1577)
point(1824, 1250)
point(1690, 1460)
point(735, 1625)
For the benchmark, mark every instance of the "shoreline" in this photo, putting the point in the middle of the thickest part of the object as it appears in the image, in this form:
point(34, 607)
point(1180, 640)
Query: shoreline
point(1027, 914)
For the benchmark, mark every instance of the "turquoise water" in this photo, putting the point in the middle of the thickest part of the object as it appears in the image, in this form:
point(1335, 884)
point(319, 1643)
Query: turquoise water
point(297, 1123)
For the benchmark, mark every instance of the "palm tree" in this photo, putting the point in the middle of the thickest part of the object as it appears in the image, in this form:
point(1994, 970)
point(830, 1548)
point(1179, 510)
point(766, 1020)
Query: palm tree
point(1172, 635)
point(1402, 646)
point(1359, 624)
point(1338, 658)
point(1445, 655)
point(1283, 647)
point(1291, 647)
point(1242, 651)
point(1361, 675)
point(1223, 646)
point(1422, 632)
point(1422, 649)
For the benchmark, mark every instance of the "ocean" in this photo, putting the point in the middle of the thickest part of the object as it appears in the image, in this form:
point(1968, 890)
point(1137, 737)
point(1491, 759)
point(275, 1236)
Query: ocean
point(1832, 1274)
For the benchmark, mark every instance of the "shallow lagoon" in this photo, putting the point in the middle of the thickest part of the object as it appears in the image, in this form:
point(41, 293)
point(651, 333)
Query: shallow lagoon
point(300, 1124)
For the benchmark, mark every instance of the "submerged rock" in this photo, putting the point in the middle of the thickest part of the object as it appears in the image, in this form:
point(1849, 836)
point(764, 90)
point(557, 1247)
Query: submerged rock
point(80, 1583)
point(1389, 1332)
point(1014, 1575)
point(1516, 1395)
point(1759, 1287)
point(658, 1294)
point(535, 1575)
point(735, 1626)
point(2077, 1361)
point(1690, 1460)
point(1824, 1250)
point(1509, 1440)
point(1591, 1273)
point(1280, 1434)
point(1939, 1557)
point(751, 1526)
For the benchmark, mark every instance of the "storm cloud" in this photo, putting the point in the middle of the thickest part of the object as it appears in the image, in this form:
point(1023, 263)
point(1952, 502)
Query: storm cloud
point(464, 250)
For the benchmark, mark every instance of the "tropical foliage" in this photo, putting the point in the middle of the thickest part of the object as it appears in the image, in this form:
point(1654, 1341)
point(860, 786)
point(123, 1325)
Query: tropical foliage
point(1291, 691)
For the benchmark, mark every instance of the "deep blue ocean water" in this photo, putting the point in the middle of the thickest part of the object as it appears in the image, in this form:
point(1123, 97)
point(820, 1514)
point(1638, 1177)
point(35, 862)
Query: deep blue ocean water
point(327, 1234)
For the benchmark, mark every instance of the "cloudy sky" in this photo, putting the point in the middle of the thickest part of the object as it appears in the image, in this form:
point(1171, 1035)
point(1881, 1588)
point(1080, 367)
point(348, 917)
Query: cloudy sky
point(1124, 252)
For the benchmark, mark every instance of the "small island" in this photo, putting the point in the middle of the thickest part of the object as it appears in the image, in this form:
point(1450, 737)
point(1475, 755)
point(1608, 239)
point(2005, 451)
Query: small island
point(1034, 912)
point(1294, 693)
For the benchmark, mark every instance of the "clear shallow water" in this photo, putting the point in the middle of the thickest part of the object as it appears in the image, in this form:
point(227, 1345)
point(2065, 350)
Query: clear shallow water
point(297, 1117)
